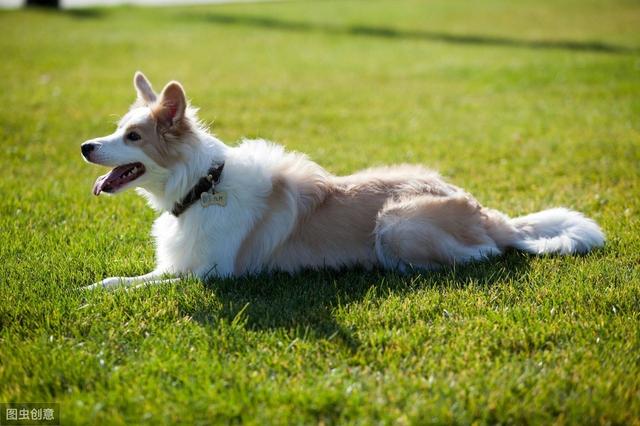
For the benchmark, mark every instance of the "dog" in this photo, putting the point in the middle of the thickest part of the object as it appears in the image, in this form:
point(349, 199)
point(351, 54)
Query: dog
point(233, 211)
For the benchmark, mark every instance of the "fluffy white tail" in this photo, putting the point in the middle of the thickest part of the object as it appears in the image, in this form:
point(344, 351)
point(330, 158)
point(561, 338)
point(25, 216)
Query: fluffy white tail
point(559, 231)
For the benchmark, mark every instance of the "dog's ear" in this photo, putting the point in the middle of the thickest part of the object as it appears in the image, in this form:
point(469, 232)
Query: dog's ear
point(171, 106)
point(143, 87)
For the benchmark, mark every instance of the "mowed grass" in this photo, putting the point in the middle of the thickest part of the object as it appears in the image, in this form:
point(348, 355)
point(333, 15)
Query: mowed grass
point(526, 104)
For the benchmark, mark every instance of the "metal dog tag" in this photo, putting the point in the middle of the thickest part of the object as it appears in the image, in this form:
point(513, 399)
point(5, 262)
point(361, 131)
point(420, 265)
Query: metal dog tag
point(218, 198)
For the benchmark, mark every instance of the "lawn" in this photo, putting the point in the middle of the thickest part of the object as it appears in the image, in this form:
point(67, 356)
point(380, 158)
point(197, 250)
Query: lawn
point(528, 105)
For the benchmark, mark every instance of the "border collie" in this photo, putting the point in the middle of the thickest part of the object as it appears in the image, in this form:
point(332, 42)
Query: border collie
point(231, 211)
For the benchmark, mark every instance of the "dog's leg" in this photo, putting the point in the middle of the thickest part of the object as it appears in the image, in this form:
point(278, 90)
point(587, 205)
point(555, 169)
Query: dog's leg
point(152, 278)
point(155, 282)
point(429, 231)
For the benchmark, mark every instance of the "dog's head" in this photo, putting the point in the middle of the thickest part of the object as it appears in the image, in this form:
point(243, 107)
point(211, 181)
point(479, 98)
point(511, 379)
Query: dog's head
point(148, 141)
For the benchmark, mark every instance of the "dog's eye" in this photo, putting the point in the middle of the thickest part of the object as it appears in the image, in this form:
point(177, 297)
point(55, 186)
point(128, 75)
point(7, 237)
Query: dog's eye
point(133, 136)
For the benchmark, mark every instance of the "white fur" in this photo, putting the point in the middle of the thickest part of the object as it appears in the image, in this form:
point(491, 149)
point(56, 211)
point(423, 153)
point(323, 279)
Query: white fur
point(558, 230)
point(204, 240)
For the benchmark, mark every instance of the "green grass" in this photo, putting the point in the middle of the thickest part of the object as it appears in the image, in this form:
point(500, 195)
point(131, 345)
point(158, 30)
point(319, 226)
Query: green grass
point(526, 104)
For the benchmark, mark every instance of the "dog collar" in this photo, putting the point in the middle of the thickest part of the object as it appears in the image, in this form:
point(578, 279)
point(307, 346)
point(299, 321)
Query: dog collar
point(205, 185)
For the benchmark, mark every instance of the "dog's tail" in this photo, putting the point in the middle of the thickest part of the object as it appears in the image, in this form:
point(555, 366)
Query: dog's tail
point(553, 231)
point(559, 231)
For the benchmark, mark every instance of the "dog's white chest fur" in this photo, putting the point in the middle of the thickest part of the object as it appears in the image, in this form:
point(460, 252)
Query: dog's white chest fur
point(205, 239)
point(199, 242)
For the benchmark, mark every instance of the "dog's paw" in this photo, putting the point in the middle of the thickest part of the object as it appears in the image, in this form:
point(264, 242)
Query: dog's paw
point(106, 283)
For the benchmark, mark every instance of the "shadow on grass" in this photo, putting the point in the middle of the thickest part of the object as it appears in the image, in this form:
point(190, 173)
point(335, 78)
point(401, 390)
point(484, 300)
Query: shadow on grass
point(372, 31)
point(393, 33)
point(75, 13)
point(304, 304)
point(85, 13)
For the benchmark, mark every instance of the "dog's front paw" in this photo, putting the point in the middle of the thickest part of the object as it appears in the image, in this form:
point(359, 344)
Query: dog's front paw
point(106, 283)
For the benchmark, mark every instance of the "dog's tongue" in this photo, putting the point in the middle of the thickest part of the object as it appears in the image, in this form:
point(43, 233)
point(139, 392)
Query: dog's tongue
point(97, 187)
point(104, 180)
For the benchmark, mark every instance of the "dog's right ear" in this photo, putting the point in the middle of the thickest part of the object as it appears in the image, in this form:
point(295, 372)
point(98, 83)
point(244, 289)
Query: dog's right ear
point(143, 87)
point(171, 107)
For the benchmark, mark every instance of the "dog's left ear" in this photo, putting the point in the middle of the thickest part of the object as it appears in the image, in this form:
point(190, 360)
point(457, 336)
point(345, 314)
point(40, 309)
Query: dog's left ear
point(143, 87)
point(171, 106)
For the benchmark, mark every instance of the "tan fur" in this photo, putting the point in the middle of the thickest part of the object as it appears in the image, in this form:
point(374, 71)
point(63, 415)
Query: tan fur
point(164, 150)
point(428, 231)
point(165, 130)
point(499, 227)
point(395, 216)
point(458, 215)
point(338, 225)
point(298, 187)
point(338, 232)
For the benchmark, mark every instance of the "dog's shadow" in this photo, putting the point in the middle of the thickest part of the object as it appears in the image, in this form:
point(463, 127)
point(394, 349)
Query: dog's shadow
point(304, 305)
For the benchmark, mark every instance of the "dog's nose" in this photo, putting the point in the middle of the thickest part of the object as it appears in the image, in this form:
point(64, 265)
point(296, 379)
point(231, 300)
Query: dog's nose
point(87, 148)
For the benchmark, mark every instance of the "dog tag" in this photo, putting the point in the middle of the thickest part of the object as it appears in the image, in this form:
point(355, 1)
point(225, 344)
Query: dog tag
point(218, 198)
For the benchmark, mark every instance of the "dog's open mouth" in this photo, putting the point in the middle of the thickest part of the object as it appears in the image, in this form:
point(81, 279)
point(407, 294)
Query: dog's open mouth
point(117, 178)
